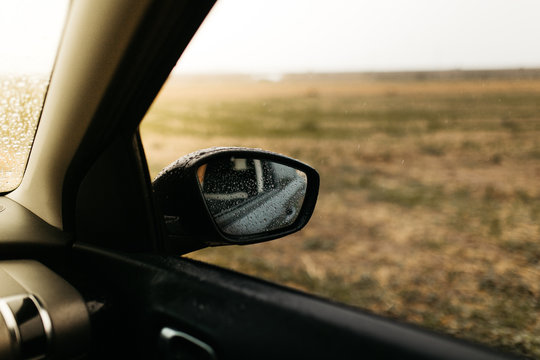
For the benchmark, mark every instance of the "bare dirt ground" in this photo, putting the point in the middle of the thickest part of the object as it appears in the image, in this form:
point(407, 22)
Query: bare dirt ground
point(429, 205)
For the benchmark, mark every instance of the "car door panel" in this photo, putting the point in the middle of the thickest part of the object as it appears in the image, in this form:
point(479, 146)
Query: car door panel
point(241, 317)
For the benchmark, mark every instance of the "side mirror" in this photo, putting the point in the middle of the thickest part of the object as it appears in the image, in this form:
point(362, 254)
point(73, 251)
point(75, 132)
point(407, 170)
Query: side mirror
point(233, 196)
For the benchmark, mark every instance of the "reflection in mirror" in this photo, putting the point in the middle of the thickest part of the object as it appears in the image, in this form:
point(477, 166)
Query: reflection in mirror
point(248, 196)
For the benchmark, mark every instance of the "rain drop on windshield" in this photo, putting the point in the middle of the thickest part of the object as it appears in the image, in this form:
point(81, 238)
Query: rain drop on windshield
point(21, 99)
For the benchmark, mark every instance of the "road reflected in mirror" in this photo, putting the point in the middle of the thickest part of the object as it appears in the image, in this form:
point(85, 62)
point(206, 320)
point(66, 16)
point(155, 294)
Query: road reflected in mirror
point(249, 196)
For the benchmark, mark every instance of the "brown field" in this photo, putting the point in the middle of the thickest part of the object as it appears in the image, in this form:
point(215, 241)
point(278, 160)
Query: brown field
point(429, 205)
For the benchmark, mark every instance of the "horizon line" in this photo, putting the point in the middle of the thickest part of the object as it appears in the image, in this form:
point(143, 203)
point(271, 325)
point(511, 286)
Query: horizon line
point(332, 72)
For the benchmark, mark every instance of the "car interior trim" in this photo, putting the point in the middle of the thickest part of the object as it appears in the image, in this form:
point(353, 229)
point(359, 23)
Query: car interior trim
point(30, 324)
point(46, 314)
point(87, 59)
point(45, 318)
point(11, 325)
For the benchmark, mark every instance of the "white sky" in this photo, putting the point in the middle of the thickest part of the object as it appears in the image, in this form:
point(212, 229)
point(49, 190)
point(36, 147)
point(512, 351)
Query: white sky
point(276, 36)
point(29, 34)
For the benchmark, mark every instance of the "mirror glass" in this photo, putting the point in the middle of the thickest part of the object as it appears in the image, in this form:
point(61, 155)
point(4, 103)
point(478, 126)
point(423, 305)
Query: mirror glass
point(251, 196)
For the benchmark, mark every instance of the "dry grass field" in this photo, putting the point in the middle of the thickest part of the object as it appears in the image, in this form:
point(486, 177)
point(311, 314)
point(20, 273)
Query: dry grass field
point(429, 208)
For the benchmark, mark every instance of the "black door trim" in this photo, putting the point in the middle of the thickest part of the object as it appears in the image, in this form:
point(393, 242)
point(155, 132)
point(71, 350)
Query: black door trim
point(245, 318)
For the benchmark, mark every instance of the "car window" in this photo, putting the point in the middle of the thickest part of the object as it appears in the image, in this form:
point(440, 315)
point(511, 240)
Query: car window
point(29, 33)
point(423, 120)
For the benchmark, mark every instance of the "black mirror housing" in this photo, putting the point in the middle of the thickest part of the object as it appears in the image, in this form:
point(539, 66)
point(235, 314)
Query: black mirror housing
point(205, 203)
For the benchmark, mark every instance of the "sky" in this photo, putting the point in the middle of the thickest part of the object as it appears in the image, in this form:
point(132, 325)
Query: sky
point(283, 36)
point(280, 36)
point(29, 34)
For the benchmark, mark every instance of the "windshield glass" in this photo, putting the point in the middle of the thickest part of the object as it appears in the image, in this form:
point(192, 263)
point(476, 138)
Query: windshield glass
point(30, 31)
